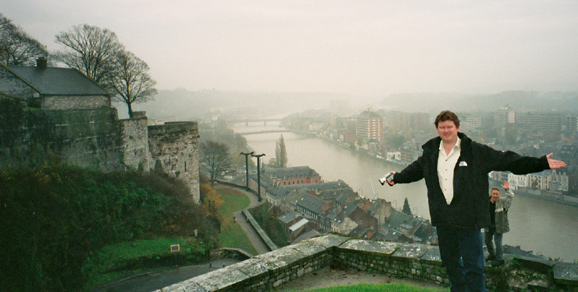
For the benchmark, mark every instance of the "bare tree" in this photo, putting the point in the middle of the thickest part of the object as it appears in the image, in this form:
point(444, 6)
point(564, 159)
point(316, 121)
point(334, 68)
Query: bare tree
point(217, 158)
point(130, 80)
point(16, 46)
point(91, 50)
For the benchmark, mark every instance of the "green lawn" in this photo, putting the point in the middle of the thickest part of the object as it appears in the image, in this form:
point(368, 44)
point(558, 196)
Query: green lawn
point(232, 235)
point(376, 288)
point(234, 200)
point(129, 258)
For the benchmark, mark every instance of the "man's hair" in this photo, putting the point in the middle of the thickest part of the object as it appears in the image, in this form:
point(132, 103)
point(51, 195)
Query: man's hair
point(447, 116)
point(495, 189)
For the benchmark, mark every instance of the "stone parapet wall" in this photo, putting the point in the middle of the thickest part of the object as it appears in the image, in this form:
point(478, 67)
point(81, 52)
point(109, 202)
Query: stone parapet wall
point(230, 253)
point(410, 261)
point(268, 271)
point(263, 272)
point(262, 234)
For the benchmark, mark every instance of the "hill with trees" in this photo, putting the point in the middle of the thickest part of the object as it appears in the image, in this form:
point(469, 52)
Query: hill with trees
point(57, 220)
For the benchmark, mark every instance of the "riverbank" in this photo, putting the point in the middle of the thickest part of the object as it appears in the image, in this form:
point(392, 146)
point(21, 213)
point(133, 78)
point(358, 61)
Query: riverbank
point(537, 194)
point(558, 198)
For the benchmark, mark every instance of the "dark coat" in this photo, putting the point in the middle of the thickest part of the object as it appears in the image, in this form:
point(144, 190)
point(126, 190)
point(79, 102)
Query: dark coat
point(469, 206)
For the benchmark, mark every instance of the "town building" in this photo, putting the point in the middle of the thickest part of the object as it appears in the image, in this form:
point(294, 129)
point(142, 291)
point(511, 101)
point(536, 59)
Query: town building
point(369, 126)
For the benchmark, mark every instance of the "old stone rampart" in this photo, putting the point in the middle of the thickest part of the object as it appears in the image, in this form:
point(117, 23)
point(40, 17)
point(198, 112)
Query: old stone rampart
point(94, 137)
point(267, 271)
point(174, 148)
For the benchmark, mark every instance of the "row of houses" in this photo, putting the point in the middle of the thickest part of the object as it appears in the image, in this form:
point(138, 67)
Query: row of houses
point(553, 181)
point(307, 206)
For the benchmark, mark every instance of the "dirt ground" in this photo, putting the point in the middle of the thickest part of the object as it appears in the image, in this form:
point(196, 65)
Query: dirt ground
point(328, 277)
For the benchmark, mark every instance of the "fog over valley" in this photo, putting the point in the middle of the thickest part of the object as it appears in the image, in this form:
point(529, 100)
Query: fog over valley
point(182, 105)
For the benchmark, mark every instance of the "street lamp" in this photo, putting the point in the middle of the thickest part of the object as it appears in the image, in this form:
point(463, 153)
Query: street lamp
point(258, 174)
point(247, 167)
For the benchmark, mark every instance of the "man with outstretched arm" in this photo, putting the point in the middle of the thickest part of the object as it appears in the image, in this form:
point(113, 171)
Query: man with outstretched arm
point(499, 223)
point(455, 169)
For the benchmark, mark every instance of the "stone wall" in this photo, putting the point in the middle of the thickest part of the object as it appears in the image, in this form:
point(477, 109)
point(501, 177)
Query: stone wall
point(74, 102)
point(95, 137)
point(135, 150)
point(88, 138)
point(267, 271)
point(174, 149)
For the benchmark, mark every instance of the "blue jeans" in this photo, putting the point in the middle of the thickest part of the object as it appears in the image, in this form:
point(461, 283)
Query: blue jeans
point(488, 235)
point(462, 254)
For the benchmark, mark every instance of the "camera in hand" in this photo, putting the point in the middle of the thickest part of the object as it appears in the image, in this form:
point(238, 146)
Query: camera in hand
point(387, 177)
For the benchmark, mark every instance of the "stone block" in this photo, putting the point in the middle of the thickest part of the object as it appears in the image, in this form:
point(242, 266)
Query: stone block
point(411, 251)
point(538, 264)
point(566, 273)
point(185, 286)
point(329, 241)
point(386, 248)
point(252, 267)
point(309, 248)
point(220, 279)
point(433, 255)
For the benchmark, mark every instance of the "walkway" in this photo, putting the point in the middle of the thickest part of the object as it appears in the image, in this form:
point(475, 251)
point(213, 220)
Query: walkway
point(156, 280)
point(242, 221)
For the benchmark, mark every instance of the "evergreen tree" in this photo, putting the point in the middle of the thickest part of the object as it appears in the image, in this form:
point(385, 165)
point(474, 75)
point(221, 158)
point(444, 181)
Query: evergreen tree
point(280, 153)
point(406, 208)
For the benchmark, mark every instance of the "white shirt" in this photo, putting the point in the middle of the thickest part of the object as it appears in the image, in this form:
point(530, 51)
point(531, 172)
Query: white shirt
point(446, 165)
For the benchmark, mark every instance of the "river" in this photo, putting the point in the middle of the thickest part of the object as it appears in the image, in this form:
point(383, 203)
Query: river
point(546, 228)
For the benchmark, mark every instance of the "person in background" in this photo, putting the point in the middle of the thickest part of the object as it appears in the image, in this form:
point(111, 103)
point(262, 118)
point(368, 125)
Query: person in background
point(499, 223)
point(455, 169)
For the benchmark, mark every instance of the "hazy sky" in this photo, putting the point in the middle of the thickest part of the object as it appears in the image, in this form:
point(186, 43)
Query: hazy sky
point(371, 47)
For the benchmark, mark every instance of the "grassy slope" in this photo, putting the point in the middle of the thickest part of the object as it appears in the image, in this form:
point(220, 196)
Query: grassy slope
point(232, 235)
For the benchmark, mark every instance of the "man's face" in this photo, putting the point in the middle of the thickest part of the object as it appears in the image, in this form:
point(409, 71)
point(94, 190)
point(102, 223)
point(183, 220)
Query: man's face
point(448, 131)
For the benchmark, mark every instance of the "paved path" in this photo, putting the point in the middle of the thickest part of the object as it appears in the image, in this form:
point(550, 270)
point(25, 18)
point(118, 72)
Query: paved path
point(156, 280)
point(241, 220)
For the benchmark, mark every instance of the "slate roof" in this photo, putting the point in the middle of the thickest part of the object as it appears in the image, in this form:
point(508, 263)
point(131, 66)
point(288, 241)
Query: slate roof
point(311, 203)
point(57, 81)
point(398, 218)
point(291, 172)
point(289, 216)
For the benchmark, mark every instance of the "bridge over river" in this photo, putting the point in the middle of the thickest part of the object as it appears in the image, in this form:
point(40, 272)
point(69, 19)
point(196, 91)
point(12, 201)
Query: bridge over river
point(252, 121)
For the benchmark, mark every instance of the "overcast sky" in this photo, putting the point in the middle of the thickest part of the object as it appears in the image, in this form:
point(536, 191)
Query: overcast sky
point(370, 47)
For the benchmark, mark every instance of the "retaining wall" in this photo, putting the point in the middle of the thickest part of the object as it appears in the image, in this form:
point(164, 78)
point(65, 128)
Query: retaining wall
point(267, 271)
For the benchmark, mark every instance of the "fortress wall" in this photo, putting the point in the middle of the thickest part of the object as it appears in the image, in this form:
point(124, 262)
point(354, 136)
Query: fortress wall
point(135, 150)
point(174, 149)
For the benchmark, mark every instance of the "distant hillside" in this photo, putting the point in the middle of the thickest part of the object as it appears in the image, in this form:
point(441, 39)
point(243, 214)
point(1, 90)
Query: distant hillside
point(518, 100)
point(201, 105)
point(183, 105)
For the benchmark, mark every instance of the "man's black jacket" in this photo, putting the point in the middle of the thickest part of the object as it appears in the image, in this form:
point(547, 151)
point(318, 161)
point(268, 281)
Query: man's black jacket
point(469, 206)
